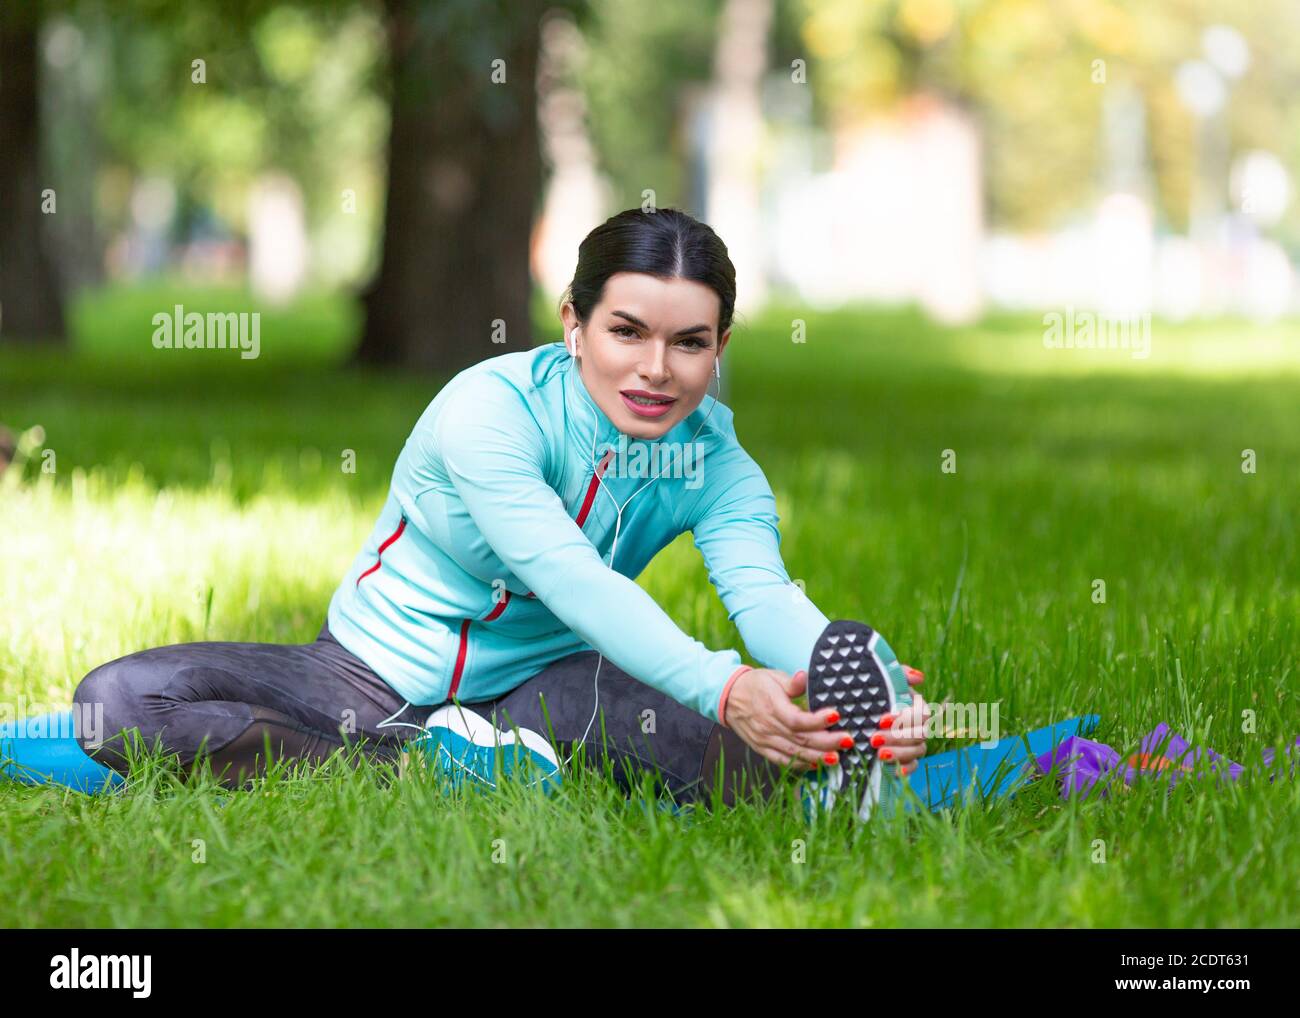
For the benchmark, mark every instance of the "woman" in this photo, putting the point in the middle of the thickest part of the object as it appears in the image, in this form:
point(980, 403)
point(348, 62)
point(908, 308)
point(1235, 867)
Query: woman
point(499, 575)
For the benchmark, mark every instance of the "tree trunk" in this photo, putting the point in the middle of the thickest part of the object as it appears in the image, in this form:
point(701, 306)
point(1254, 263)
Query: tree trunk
point(464, 175)
point(734, 206)
point(30, 303)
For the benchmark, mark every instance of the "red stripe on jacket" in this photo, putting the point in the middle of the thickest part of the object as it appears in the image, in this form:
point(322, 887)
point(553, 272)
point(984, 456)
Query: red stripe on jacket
point(380, 554)
point(501, 606)
point(591, 489)
point(460, 658)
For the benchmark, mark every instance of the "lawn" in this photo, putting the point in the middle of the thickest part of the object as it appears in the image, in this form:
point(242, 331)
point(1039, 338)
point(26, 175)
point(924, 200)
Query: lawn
point(197, 496)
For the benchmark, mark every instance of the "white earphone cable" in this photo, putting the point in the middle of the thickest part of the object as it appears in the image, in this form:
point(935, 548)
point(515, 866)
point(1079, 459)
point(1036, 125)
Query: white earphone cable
point(570, 345)
point(618, 519)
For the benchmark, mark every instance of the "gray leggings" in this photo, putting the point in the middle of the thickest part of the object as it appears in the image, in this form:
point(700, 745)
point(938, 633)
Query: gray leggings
point(224, 699)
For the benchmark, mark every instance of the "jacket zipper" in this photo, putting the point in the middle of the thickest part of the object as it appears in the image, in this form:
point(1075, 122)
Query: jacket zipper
point(591, 489)
point(501, 606)
point(379, 556)
point(463, 649)
point(460, 658)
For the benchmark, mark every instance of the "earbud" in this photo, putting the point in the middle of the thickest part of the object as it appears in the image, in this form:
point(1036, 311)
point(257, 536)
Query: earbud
point(572, 342)
point(717, 368)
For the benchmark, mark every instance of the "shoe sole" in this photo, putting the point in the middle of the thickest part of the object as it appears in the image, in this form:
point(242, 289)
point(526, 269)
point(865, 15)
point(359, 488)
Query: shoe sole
point(465, 744)
point(845, 673)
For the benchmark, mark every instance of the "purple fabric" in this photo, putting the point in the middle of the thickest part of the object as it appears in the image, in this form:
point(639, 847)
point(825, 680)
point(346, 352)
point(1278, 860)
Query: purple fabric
point(1162, 753)
point(1083, 762)
point(1293, 760)
point(1165, 751)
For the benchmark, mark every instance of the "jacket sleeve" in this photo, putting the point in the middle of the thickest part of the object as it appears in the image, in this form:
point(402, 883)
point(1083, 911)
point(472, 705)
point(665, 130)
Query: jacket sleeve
point(736, 533)
point(493, 451)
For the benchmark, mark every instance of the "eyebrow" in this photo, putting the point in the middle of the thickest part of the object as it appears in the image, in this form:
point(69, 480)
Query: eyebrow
point(680, 332)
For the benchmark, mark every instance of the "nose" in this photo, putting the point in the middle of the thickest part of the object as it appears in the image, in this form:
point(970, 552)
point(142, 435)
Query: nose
point(654, 365)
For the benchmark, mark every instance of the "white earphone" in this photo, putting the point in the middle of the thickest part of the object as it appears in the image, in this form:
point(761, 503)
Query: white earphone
point(570, 344)
point(618, 524)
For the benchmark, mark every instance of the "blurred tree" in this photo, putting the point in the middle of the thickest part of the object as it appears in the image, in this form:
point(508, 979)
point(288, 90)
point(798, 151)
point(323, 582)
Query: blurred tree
point(645, 69)
point(464, 184)
point(290, 89)
point(31, 305)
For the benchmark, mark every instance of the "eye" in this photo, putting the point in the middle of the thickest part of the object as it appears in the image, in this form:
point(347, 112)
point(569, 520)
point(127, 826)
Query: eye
point(624, 330)
point(697, 343)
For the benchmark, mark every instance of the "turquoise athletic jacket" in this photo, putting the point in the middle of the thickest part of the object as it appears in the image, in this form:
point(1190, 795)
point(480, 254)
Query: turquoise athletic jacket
point(490, 558)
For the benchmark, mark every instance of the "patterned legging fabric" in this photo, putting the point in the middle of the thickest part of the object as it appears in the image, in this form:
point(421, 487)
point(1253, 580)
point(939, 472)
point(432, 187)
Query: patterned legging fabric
point(225, 698)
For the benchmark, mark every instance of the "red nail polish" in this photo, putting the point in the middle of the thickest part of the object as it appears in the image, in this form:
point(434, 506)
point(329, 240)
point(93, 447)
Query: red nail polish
point(833, 717)
point(886, 754)
point(887, 721)
point(832, 758)
point(846, 742)
point(877, 740)
point(914, 673)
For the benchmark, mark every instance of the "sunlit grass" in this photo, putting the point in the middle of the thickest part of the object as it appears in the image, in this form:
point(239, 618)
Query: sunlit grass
point(203, 498)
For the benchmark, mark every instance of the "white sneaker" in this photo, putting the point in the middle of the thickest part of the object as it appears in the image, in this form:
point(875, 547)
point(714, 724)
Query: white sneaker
point(465, 746)
point(854, 671)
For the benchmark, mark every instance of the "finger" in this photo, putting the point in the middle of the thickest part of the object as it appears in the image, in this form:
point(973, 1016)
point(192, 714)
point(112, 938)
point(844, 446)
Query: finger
point(901, 755)
point(906, 716)
point(793, 719)
point(917, 715)
point(777, 757)
point(905, 726)
point(797, 684)
point(911, 748)
point(914, 676)
point(825, 742)
point(807, 754)
point(904, 736)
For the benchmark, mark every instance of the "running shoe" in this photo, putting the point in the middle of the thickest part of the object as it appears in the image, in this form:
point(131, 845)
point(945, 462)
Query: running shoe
point(854, 671)
point(464, 747)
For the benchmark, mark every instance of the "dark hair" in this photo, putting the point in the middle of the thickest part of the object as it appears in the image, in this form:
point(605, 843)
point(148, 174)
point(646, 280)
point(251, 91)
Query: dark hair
point(667, 243)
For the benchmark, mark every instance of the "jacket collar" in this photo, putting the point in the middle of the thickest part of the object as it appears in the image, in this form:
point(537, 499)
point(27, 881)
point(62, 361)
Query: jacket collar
point(589, 428)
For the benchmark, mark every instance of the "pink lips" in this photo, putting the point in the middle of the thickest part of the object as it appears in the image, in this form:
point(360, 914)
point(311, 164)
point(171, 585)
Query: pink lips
point(642, 410)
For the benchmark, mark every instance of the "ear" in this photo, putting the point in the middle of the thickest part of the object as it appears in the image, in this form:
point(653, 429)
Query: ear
point(568, 317)
point(723, 340)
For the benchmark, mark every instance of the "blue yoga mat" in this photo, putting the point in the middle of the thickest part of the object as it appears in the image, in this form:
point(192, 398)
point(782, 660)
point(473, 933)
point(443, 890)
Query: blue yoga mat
point(964, 775)
point(42, 748)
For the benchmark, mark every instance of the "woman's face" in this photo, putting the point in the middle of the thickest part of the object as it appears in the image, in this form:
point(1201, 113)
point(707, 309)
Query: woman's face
point(650, 338)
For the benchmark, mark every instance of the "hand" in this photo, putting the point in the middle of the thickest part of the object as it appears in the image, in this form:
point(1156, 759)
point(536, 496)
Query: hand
point(904, 739)
point(760, 711)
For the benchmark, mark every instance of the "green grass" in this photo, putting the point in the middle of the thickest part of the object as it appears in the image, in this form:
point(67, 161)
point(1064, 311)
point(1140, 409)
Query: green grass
point(173, 471)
